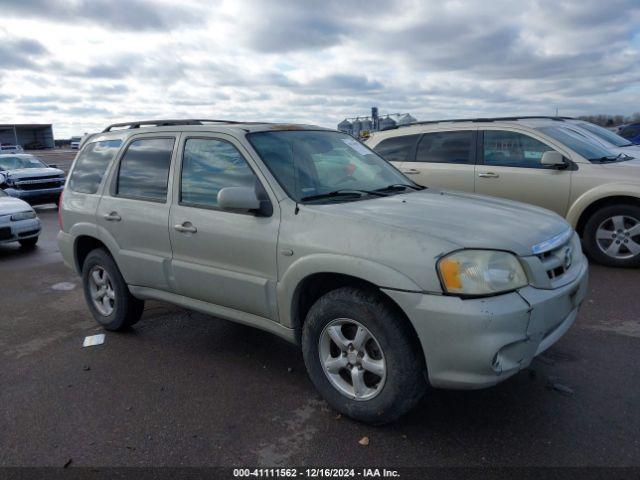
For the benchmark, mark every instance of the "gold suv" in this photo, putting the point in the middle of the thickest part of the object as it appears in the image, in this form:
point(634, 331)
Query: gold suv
point(544, 161)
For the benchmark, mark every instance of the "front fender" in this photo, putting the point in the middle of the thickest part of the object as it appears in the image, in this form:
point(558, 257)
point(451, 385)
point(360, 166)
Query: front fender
point(380, 275)
point(598, 193)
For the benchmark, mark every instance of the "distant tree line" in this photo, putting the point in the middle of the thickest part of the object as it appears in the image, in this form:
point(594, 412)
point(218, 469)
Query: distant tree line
point(611, 120)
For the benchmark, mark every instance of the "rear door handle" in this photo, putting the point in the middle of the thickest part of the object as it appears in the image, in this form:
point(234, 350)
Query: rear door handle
point(488, 175)
point(411, 171)
point(185, 227)
point(112, 217)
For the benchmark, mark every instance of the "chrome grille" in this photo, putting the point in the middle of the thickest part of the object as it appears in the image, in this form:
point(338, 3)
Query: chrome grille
point(558, 261)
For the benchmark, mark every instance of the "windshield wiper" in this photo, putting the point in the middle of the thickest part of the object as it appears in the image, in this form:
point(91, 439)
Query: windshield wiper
point(398, 186)
point(342, 193)
point(607, 159)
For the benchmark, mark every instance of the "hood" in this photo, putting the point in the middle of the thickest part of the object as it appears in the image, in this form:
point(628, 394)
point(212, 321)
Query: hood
point(462, 219)
point(10, 205)
point(20, 173)
point(627, 170)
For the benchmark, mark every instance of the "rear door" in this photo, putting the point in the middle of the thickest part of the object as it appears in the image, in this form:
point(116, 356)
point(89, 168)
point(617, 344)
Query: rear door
point(510, 167)
point(222, 257)
point(133, 215)
point(444, 159)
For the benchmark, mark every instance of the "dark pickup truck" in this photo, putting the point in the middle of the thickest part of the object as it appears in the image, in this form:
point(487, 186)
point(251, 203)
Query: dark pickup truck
point(29, 178)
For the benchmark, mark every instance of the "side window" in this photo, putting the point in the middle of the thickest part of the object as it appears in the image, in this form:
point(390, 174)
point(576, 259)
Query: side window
point(447, 147)
point(91, 165)
point(512, 149)
point(209, 165)
point(144, 169)
point(396, 149)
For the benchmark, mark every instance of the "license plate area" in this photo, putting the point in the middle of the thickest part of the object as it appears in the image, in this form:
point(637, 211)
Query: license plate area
point(5, 233)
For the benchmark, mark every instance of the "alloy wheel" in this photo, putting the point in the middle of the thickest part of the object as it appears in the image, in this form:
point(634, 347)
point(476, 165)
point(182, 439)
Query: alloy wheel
point(352, 359)
point(102, 292)
point(619, 237)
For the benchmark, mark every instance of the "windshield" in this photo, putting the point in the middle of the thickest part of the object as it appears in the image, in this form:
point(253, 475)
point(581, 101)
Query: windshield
point(605, 134)
point(579, 143)
point(9, 162)
point(312, 163)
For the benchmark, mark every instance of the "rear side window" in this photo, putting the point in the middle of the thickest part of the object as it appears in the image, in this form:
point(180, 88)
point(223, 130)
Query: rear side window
point(91, 165)
point(208, 166)
point(396, 149)
point(630, 132)
point(144, 169)
point(512, 149)
point(446, 147)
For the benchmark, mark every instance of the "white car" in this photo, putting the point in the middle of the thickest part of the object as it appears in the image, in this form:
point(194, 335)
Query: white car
point(18, 221)
point(75, 143)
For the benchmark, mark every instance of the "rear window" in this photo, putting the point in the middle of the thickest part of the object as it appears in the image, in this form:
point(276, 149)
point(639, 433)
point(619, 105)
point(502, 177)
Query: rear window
point(91, 165)
point(396, 149)
point(144, 169)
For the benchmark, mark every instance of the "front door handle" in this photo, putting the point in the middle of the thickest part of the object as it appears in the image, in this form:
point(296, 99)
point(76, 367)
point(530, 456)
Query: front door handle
point(488, 175)
point(185, 227)
point(112, 217)
point(411, 171)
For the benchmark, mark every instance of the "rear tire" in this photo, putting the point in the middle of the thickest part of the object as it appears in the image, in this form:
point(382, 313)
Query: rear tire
point(612, 236)
point(107, 294)
point(28, 242)
point(352, 386)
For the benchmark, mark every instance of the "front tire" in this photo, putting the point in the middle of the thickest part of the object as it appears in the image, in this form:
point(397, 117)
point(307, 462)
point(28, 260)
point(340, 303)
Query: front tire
point(107, 294)
point(362, 356)
point(612, 236)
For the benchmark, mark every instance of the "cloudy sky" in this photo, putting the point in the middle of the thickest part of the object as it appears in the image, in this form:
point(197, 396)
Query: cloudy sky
point(81, 64)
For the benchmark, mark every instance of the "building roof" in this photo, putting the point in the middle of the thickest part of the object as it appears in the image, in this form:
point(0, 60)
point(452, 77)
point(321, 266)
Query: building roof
point(25, 125)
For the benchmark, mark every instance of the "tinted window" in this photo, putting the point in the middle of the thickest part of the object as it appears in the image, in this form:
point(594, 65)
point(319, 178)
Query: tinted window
point(446, 147)
point(511, 149)
point(207, 167)
point(630, 132)
point(396, 149)
point(144, 169)
point(91, 165)
point(8, 162)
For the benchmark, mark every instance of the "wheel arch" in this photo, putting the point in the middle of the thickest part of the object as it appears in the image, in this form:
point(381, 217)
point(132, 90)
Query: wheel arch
point(602, 202)
point(85, 244)
point(315, 285)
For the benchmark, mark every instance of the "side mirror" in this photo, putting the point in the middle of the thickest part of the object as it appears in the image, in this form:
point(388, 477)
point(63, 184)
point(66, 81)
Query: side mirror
point(53, 165)
point(238, 198)
point(553, 159)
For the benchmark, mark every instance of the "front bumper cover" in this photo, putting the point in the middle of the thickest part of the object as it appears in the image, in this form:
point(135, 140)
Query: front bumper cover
point(476, 343)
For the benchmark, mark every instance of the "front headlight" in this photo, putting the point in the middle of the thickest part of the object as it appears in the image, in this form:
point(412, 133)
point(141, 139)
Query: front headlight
point(23, 216)
point(480, 272)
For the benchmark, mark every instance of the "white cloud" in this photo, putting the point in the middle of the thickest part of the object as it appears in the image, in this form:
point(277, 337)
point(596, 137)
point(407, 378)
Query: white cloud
point(82, 64)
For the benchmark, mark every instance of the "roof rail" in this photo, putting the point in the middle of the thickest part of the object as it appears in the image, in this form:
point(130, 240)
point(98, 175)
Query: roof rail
point(480, 120)
point(168, 123)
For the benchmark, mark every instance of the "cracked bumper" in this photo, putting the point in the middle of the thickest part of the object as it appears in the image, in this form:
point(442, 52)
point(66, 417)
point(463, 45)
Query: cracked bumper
point(476, 343)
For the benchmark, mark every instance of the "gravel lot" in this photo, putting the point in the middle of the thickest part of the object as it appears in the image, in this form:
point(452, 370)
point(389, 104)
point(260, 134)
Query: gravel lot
point(184, 389)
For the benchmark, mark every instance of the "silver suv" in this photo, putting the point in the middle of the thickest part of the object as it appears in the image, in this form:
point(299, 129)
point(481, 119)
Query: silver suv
point(308, 234)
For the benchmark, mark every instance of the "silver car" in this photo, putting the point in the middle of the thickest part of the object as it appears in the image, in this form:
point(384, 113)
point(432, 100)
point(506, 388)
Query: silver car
point(18, 222)
point(306, 233)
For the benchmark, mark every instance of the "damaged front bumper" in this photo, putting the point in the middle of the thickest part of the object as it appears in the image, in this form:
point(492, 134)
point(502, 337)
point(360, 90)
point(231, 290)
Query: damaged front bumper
point(476, 343)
